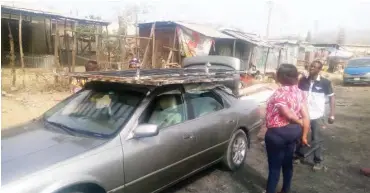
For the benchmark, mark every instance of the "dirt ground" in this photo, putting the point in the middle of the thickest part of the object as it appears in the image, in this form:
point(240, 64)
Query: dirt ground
point(346, 148)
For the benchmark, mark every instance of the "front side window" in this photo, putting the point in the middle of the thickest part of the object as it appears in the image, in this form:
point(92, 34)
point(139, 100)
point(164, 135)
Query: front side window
point(203, 101)
point(99, 109)
point(165, 110)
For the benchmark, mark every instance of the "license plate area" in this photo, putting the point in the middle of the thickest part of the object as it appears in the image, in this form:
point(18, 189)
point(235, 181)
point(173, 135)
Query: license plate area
point(356, 79)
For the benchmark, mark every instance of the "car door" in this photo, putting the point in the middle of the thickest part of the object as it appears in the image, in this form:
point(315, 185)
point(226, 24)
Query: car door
point(153, 162)
point(212, 121)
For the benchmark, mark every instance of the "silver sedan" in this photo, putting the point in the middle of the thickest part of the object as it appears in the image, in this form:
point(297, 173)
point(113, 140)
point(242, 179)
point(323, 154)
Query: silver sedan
point(112, 137)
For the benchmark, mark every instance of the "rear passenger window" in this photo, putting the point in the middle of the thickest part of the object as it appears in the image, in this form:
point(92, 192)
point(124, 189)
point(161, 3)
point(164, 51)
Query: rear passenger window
point(203, 102)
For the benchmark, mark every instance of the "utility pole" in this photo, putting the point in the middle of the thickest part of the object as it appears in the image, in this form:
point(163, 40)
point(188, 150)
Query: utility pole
point(269, 5)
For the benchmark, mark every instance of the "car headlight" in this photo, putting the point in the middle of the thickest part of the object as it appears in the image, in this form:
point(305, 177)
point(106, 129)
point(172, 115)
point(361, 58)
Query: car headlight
point(367, 74)
point(345, 75)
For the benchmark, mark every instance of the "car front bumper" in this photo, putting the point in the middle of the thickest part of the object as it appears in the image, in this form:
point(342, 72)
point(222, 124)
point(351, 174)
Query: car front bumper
point(357, 80)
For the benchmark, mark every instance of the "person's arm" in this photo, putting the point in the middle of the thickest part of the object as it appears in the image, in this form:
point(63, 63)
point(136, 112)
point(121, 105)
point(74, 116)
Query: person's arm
point(285, 111)
point(306, 123)
point(330, 93)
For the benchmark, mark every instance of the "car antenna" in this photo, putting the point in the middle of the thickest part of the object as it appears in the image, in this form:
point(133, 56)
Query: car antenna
point(138, 71)
point(207, 65)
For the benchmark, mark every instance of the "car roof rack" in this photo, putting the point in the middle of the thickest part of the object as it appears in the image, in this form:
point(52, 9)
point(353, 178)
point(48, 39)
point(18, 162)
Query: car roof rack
point(158, 77)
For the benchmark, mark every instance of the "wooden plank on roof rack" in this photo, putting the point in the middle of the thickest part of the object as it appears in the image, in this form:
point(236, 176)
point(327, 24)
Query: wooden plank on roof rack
point(157, 77)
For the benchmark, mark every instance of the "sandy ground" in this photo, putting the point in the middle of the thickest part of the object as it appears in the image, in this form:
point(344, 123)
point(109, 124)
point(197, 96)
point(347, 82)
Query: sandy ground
point(347, 147)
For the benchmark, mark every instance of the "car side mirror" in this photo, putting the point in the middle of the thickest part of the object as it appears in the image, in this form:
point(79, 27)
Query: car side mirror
point(146, 130)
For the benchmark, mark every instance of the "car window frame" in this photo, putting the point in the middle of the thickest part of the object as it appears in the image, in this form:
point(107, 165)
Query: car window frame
point(190, 107)
point(159, 91)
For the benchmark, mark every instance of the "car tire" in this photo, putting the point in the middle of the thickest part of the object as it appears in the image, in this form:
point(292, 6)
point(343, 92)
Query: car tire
point(236, 152)
point(82, 189)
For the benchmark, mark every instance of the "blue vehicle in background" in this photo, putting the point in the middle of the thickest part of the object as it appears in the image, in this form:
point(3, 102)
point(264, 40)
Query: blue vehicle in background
point(357, 71)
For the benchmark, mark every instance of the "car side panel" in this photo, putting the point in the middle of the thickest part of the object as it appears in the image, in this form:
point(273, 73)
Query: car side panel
point(153, 162)
point(101, 166)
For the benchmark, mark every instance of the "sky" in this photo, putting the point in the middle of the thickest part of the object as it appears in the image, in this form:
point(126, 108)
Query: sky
point(288, 17)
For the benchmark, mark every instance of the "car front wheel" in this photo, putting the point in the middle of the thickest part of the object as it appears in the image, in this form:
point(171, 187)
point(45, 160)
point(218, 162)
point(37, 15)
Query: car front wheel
point(236, 151)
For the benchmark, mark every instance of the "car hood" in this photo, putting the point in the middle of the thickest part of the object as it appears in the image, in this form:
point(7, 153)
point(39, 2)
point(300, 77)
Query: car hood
point(357, 70)
point(31, 147)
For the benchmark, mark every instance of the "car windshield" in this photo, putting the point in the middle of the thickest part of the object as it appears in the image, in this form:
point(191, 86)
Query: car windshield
point(359, 63)
point(100, 109)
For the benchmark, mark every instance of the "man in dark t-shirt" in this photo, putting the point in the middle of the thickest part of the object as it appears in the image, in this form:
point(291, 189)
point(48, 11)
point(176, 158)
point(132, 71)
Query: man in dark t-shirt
point(317, 89)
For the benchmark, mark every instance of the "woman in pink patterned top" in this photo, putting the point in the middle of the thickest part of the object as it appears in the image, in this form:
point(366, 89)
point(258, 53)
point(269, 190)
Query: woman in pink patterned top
point(287, 121)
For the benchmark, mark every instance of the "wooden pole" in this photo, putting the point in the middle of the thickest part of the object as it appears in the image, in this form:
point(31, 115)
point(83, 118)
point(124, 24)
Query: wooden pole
point(170, 55)
point(74, 47)
point(108, 47)
point(12, 56)
point(66, 45)
point(234, 47)
point(251, 48)
point(56, 50)
point(21, 48)
point(97, 48)
point(153, 50)
point(46, 36)
point(145, 57)
point(267, 57)
point(51, 35)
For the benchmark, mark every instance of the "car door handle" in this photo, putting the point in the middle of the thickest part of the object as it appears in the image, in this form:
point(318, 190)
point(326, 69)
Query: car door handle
point(188, 137)
point(231, 121)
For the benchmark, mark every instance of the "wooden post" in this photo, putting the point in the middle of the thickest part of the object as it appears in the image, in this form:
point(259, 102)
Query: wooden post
point(74, 47)
point(51, 35)
point(234, 47)
point(56, 50)
point(251, 48)
point(108, 47)
point(21, 48)
point(279, 58)
point(12, 56)
point(97, 49)
point(145, 57)
point(170, 55)
point(46, 35)
point(267, 57)
point(153, 50)
point(66, 45)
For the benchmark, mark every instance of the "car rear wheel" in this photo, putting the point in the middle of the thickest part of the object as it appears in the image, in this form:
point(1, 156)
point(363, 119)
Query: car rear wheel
point(236, 151)
point(83, 188)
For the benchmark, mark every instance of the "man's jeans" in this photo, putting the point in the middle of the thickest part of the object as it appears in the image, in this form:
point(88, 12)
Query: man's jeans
point(316, 126)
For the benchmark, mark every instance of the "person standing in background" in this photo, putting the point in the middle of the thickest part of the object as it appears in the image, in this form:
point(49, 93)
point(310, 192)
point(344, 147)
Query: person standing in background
point(317, 89)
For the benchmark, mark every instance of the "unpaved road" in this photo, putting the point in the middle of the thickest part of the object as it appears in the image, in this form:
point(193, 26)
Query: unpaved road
point(347, 147)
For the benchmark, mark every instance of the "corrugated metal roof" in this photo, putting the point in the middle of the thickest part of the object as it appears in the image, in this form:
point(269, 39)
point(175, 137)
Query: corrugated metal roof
point(205, 30)
point(50, 14)
point(248, 37)
point(284, 41)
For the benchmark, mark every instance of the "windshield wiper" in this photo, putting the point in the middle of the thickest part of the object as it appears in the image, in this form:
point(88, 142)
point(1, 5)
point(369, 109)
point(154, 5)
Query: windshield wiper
point(63, 127)
point(74, 131)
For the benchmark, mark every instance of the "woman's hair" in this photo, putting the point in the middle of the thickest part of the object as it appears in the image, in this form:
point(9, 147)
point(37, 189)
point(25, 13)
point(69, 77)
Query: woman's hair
point(287, 74)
